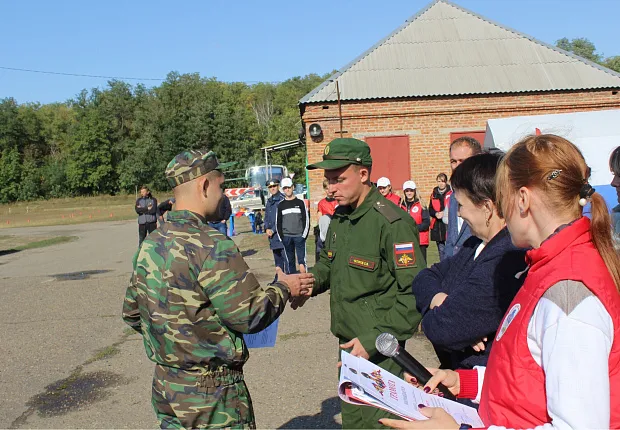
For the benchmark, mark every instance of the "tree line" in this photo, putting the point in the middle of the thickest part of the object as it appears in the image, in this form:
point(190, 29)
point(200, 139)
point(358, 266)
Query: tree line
point(113, 139)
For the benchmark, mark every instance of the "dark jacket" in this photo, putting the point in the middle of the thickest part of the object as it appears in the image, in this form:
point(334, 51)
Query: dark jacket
point(270, 220)
point(439, 229)
point(146, 208)
point(479, 293)
point(165, 206)
point(455, 239)
point(224, 209)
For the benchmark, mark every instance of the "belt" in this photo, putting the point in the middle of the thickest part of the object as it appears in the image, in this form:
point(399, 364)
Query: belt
point(205, 377)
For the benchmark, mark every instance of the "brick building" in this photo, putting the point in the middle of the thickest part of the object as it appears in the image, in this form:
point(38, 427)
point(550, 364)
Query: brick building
point(442, 75)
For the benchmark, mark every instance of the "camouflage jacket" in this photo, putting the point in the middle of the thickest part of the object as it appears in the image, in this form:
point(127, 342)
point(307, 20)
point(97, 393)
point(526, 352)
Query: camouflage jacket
point(192, 296)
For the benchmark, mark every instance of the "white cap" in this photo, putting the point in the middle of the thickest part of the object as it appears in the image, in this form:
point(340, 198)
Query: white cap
point(409, 185)
point(286, 182)
point(383, 182)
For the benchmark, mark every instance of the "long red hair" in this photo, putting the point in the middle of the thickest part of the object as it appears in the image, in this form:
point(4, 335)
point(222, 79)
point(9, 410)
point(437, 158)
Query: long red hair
point(530, 163)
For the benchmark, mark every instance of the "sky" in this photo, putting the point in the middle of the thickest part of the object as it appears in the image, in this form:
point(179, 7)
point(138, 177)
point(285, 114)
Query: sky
point(242, 40)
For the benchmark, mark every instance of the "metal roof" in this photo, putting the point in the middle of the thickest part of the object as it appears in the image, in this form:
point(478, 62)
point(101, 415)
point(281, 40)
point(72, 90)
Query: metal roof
point(448, 50)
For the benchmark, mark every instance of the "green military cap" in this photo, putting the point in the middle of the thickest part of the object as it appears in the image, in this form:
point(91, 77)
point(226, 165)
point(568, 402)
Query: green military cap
point(343, 151)
point(189, 165)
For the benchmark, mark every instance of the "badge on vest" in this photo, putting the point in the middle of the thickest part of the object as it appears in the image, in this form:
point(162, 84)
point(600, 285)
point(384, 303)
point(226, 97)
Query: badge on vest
point(510, 316)
point(404, 256)
point(415, 209)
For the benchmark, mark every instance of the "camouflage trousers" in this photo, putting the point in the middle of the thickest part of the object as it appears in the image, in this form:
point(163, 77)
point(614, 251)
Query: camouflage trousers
point(201, 399)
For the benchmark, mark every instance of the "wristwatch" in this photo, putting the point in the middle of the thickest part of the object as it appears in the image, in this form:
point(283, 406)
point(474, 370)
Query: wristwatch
point(464, 426)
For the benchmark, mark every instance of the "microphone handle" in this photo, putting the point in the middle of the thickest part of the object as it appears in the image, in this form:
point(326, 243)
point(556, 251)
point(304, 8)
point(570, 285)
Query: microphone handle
point(421, 373)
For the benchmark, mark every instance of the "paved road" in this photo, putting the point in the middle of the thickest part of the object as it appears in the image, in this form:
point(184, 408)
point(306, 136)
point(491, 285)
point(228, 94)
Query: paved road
point(69, 362)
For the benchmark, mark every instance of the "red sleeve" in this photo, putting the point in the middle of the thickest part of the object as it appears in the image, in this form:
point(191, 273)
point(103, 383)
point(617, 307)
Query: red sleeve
point(469, 383)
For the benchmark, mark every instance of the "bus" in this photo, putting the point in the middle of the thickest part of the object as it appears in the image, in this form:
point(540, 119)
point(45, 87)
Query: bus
point(257, 176)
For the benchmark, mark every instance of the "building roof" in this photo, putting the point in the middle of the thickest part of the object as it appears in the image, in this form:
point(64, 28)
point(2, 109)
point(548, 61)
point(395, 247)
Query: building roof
point(448, 50)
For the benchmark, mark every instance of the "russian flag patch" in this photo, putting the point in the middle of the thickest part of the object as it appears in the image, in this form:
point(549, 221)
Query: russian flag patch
point(404, 255)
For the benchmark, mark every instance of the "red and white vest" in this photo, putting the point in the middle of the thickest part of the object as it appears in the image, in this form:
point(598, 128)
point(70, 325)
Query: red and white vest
point(416, 213)
point(514, 394)
point(436, 203)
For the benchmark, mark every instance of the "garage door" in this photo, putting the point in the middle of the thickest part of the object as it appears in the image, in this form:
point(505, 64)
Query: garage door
point(390, 158)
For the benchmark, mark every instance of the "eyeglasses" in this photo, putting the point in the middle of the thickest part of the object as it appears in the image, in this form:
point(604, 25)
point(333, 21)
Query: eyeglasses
point(272, 186)
point(286, 188)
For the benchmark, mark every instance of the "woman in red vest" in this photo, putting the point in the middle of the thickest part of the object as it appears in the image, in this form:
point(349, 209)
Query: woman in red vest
point(555, 362)
point(412, 205)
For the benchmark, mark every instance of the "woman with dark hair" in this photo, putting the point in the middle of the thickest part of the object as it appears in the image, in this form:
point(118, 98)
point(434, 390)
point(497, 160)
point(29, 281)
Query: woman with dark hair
point(555, 362)
point(436, 207)
point(614, 166)
point(463, 298)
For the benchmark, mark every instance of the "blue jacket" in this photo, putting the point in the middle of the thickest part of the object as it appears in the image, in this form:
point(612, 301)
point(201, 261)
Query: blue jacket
point(479, 293)
point(454, 238)
point(271, 210)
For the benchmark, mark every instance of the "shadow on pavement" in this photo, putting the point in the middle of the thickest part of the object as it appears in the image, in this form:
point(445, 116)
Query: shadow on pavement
point(8, 251)
point(77, 276)
point(248, 252)
point(322, 420)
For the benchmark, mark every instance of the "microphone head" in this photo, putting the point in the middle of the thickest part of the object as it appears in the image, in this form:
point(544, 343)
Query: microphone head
point(387, 344)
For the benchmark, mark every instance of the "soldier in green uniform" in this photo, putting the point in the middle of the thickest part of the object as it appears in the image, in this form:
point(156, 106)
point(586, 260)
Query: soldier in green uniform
point(191, 297)
point(369, 260)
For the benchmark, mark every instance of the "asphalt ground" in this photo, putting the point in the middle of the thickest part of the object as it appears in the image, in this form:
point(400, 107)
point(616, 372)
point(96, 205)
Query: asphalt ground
point(70, 362)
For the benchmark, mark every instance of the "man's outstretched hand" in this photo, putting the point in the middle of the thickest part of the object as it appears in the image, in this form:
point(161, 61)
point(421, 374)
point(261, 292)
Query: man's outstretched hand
point(300, 284)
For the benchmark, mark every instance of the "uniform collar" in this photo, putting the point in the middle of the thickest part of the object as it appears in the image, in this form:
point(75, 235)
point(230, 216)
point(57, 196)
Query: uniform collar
point(278, 196)
point(575, 233)
point(371, 198)
point(186, 216)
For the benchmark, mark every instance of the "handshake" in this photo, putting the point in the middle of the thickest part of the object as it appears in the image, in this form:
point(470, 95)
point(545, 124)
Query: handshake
point(300, 286)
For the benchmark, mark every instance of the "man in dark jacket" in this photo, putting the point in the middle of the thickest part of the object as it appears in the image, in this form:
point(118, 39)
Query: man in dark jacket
point(224, 211)
point(162, 208)
point(146, 208)
point(271, 209)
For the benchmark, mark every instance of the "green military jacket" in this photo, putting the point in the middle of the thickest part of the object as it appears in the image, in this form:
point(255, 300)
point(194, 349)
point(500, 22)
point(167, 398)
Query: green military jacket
point(369, 260)
point(192, 296)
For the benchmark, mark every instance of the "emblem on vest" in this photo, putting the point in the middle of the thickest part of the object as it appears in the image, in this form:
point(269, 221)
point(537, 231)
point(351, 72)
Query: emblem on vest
point(510, 316)
point(415, 209)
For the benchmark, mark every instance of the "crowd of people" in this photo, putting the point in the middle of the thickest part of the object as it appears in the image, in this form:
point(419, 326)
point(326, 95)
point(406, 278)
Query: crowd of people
point(523, 308)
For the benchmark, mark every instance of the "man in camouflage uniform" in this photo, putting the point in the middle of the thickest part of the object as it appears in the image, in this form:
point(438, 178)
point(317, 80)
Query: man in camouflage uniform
point(370, 257)
point(191, 297)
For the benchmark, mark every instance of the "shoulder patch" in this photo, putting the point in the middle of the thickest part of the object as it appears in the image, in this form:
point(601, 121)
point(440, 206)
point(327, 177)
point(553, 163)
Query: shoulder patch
point(567, 294)
point(389, 211)
point(404, 255)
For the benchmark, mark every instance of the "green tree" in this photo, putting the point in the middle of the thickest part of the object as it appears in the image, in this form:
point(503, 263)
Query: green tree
point(613, 63)
point(580, 46)
point(89, 165)
point(10, 175)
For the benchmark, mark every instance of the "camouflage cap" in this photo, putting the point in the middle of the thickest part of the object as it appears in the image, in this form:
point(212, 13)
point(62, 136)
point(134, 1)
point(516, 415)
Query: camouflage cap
point(189, 165)
point(343, 151)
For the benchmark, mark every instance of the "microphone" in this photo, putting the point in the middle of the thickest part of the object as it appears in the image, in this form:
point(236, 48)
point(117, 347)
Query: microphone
point(388, 345)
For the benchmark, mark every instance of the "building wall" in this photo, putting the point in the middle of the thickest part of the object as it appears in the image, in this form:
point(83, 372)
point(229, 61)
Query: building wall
point(429, 121)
